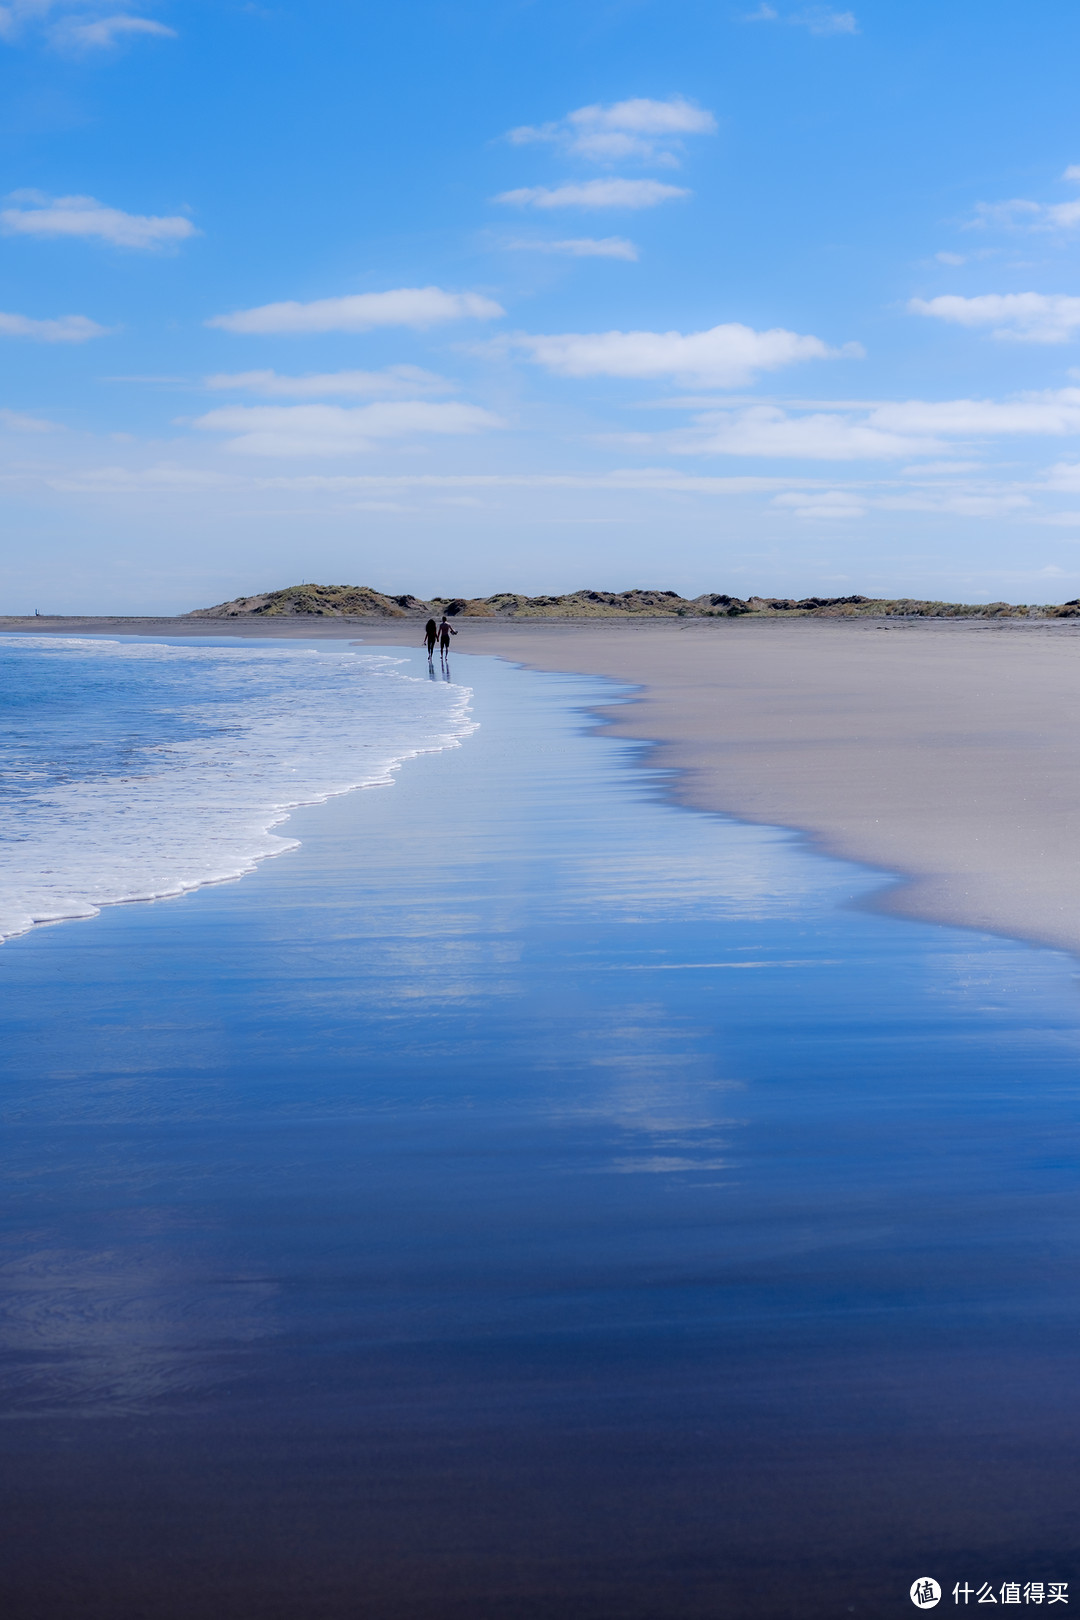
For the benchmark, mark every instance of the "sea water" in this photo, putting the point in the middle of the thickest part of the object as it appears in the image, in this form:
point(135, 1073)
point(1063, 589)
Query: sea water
point(529, 1198)
point(134, 770)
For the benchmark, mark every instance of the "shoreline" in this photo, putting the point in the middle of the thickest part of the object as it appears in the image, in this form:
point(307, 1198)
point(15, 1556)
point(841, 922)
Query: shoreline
point(192, 807)
point(945, 751)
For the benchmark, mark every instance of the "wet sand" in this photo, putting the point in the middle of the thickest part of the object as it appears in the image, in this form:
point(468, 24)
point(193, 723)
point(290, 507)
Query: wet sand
point(948, 752)
point(530, 1200)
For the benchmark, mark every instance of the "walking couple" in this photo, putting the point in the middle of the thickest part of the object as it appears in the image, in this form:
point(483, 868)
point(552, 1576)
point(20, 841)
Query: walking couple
point(440, 633)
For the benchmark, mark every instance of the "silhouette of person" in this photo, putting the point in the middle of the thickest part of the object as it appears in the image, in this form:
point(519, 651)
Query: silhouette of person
point(446, 630)
point(431, 636)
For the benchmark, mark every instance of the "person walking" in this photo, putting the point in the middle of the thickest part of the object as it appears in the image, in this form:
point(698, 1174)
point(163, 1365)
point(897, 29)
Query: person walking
point(446, 630)
point(431, 636)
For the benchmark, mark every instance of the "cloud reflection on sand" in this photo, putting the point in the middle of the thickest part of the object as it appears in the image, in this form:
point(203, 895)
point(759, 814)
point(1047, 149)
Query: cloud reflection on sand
point(458, 1158)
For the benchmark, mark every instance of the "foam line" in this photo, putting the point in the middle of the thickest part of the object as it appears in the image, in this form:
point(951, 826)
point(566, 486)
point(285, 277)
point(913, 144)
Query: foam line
point(140, 771)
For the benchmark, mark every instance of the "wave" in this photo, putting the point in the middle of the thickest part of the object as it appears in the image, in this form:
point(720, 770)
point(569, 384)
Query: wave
point(140, 771)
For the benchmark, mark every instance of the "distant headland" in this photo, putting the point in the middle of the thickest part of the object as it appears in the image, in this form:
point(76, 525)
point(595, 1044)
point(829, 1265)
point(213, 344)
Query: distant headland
point(363, 602)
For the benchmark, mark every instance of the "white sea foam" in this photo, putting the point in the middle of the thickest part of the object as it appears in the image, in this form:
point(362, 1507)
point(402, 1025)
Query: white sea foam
point(204, 750)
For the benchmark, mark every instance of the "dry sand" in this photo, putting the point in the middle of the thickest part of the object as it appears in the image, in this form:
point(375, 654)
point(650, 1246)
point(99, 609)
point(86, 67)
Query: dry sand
point(948, 752)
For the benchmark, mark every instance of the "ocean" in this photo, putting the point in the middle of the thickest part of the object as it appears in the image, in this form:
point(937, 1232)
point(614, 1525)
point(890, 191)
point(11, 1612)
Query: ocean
point(136, 770)
point(525, 1197)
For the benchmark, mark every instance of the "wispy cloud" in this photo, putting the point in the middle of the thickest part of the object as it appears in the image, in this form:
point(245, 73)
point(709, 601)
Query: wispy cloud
point(1056, 411)
point(103, 32)
point(581, 247)
point(359, 312)
point(1022, 214)
point(888, 431)
point(818, 19)
point(803, 497)
point(336, 430)
point(1064, 475)
point(837, 503)
point(1019, 317)
point(771, 432)
point(20, 15)
point(642, 129)
point(175, 478)
point(394, 382)
point(64, 329)
point(594, 194)
point(825, 503)
point(86, 217)
point(724, 356)
point(16, 422)
point(76, 26)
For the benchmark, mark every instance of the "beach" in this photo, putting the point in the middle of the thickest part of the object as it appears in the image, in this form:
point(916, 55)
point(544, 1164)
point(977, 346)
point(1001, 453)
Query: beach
point(949, 752)
point(946, 752)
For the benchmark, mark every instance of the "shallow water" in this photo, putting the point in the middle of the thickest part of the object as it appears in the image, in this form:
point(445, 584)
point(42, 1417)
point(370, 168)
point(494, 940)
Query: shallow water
point(532, 1199)
point(132, 769)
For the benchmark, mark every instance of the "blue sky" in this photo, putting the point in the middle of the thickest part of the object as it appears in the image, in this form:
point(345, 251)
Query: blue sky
point(533, 296)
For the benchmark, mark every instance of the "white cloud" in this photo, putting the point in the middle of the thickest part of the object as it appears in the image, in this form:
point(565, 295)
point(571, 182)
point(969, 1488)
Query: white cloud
point(724, 356)
point(360, 312)
point(1064, 475)
point(675, 116)
point(1020, 213)
point(64, 329)
point(394, 381)
point(582, 247)
point(106, 31)
point(335, 430)
point(1053, 413)
point(807, 497)
point(15, 422)
point(766, 430)
point(950, 258)
point(999, 503)
point(886, 431)
point(818, 19)
point(1062, 216)
point(829, 503)
point(85, 216)
point(1025, 317)
point(940, 469)
point(1009, 215)
point(832, 504)
point(76, 25)
point(958, 503)
point(14, 17)
point(642, 480)
point(647, 130)
point(594, 194)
